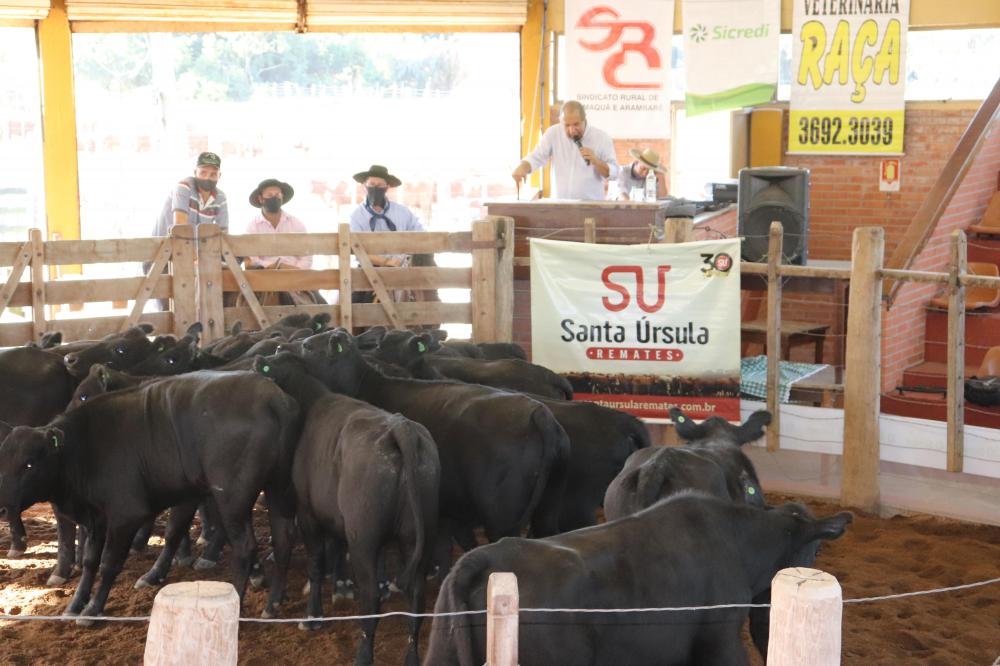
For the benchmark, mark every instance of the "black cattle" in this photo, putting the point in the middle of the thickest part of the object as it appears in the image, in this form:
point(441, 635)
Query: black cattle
point(495, 351)
point(365, 478)
point(114, 462)
point(711, 461)
point(413, 352)
point(119, 351)
point(688, 550)
point(499, 451)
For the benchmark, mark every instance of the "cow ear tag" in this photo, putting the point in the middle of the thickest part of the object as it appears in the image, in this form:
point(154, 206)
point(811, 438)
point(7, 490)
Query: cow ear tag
point(55, 441)
point(160, 348)
point(421, 347)
point(751, 490)
point(340, 348)
point(265, 368)
point(681, 419)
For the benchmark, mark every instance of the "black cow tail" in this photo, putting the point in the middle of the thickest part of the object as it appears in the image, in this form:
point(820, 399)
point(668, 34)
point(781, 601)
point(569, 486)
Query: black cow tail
point(546, 500)
point(412, 440)
point(638, 433)
point(452, 642)
point(566, 387)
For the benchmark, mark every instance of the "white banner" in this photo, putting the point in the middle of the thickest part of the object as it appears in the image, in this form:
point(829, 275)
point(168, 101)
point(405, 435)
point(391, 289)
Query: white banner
point(618, 64)
point(848, 76)
point(717, 35)
point(641, 327)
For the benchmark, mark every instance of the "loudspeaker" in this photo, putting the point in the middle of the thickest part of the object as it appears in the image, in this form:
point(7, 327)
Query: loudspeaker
point(769, 194)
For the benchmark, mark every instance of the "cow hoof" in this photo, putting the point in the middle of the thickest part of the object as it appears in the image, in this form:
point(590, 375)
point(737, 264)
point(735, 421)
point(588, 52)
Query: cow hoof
point(310, 626)
point(306, 588)
point(15, 553)
point(85, 622)
point(185, 561)
point(202, 541)
point(145, 582)
point(257, 582)
point(201, 564)
point(56, 581)
point(270, 612)
point(393, 588)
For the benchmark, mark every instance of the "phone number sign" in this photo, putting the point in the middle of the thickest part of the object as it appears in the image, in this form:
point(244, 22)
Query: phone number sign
point(849, 73)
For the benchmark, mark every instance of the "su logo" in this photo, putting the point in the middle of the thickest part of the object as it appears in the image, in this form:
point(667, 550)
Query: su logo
point(608, 18)
point(640, 288)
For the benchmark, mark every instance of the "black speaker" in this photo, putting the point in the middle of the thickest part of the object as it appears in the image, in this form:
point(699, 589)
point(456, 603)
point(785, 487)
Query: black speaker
point(774, 194)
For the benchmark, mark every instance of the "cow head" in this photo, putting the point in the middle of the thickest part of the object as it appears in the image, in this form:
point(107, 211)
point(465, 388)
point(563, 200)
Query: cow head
point(805, 533)
point(98, 381)
point(333, 358)
point(174, 359)
point(404, 348)
point(119, 351)
point(321, 322)
point(282, 367)
point(719, 430)
point(29, 465)
point(370, 339)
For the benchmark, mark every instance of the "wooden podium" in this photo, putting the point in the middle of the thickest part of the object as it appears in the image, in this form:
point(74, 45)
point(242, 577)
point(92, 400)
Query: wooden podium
point(624, 222)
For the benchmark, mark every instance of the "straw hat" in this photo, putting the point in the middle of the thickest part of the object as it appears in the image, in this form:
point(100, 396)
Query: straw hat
point(649, 157)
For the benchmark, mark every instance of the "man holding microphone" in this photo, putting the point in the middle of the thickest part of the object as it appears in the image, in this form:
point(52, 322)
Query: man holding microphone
point(582, 156)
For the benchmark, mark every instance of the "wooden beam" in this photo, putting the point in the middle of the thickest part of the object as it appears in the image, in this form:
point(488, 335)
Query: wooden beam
point(345, 286)
point(483, 295)
point(376, 282)
point(23, 258)
point(860, 481)
point(103, 289)
point(239, 277)
point(505, 280)
point(145, 290)
point(502, 605)
point(774, 253)
point(677, 229)
point(183, 266)
point(376, 242)
point(956, 353)
point(420, 277)
point(110, 251)
point(97, 327)
point(589, 230)
point(536, 78)
point(59, 149)
point(369, 314)
point(37, 283)
point(210, 281)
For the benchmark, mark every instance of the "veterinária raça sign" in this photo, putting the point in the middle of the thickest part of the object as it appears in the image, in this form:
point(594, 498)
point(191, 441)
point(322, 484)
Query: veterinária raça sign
point(641, 328)
point(718, 35)
point(848, 76)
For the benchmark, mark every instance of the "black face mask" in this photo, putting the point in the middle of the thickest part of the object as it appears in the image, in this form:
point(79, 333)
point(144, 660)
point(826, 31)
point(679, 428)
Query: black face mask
point(272, 204)
point(206, 184)
point(376, 196)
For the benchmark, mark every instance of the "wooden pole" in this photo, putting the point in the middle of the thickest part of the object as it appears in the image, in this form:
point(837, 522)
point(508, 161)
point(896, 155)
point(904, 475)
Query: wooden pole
point(502, 604)
point(859, 484)
point(484, 273)
point(183, 265)
point(677, 229)
point(148, 283)
point(37, 284)
point(589, 230)
point(956, 353)
point(344, 266)
point(806, 609)
point(210, 310)
point(505, 280)
point(193, 623)
point(775, 247)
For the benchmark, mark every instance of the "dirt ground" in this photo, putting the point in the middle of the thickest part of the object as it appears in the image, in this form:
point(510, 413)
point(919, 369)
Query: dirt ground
point(875, 557)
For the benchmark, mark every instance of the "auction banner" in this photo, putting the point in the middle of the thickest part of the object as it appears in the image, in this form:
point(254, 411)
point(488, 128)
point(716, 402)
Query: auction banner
point(618, 64)
point(641, 328)
point(848, 75)
point(719, 33)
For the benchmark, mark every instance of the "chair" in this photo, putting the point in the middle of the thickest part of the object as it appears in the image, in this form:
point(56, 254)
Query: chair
point(991, 363)
point(990, 224)
point(976, 297)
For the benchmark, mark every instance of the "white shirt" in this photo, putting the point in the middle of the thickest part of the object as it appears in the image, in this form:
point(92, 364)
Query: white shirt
point(574, 179)
point(287, 224)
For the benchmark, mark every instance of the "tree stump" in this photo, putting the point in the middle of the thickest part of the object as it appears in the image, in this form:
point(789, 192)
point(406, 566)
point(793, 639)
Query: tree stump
point(806, 607)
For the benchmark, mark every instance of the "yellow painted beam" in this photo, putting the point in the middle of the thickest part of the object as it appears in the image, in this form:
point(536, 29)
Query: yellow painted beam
point(535, 104)
point(62, 184)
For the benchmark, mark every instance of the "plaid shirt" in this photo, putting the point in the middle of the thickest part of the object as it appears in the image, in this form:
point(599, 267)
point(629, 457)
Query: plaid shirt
point(185, 197)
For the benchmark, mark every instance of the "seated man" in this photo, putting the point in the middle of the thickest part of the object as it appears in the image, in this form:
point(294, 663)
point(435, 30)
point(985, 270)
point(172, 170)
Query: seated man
point(377, 213)
point(634, 174)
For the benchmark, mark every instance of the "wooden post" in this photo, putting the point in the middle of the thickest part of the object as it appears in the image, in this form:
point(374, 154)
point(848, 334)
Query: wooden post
point(37, 284)
point(210, 310)
point(502, 604)
point(377, 285)
point(193, 623)
point(806, 609)
point(589, 230)
point(859, 484)
point(23, 259)
point(956, 353)
point(183, 264)
point(241, 281)
point(344, 266)
point(484, 273)
point(505, 280)
point(160, 260)
point(677, 229)
point(775, 248)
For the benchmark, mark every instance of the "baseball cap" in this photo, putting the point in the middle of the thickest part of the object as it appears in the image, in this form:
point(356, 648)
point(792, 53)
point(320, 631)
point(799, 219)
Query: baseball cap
point(209, 159)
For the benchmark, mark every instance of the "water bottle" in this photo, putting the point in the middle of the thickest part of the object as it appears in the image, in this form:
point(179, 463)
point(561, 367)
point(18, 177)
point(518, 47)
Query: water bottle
point(651, 186)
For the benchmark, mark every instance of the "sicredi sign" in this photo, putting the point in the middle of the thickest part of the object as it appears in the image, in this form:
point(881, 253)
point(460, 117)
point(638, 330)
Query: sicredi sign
point(640, 328)
point(700, 32)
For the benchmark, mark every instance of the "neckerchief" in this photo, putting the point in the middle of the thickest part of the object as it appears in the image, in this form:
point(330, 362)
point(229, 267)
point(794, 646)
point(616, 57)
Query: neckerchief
point(379, 216)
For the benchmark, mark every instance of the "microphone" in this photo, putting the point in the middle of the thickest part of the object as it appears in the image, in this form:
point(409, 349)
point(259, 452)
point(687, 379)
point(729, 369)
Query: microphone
point(579, 144)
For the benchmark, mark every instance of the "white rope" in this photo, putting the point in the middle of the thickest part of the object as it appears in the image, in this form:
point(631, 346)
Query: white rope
point(353, 618)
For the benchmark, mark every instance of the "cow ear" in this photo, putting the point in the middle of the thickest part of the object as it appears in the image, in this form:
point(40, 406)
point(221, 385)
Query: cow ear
point(143, 329)
point(5, 429)
point(195, 329)
point(56, 438)
point(261, 366)
point(237, 327)
point(830, 528)
point(421, 343)
point(103, 376)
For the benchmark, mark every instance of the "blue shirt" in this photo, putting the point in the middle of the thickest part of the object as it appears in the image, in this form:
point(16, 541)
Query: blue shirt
point(399, 214)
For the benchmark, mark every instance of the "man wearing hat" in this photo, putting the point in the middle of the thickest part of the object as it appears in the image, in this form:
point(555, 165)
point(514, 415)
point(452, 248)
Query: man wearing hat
point(634, 175)
point(377, 213)
point(196, 199)
point(270, 196)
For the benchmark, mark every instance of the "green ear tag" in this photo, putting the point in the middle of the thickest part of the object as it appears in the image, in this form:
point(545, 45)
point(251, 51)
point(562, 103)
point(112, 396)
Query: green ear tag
point(681, 419)
point(160, 348)
point(340, 348)
point(266, 368)
point(751, 490)
point(55, 441)
point(318, 326)
point(421, 347)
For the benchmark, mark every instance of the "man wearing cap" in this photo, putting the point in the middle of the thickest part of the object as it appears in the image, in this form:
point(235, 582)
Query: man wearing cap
point(270, 196)
point(582, 156)
point(196, 199)
point(634, 175)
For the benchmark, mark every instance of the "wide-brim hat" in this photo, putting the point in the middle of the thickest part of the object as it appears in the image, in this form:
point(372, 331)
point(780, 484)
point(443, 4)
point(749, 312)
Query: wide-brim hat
point(649, 157)
point(286, 191)
point(378, 171)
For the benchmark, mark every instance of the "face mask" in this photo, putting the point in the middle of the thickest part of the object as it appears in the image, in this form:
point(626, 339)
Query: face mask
point(206, 184)
point(272, 204)
point(376, 196)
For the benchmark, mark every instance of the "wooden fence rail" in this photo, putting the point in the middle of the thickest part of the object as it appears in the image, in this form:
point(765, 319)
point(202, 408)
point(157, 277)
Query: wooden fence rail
point(196, 267)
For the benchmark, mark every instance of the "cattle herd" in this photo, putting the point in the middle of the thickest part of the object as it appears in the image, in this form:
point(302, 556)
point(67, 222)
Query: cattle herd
point(394, 441)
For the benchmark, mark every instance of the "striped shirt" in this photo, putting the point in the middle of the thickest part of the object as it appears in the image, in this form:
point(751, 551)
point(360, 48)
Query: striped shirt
point(185, 197)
